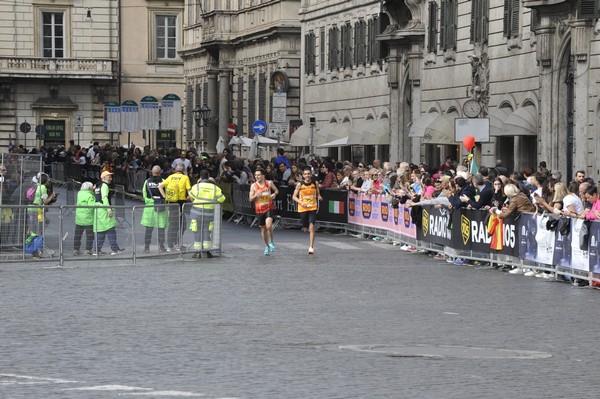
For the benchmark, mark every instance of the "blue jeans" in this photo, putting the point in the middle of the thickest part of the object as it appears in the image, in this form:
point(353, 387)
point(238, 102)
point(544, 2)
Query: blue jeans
point(112, 239)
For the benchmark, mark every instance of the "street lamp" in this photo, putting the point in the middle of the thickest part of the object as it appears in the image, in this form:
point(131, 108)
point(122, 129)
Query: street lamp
point(203, 119)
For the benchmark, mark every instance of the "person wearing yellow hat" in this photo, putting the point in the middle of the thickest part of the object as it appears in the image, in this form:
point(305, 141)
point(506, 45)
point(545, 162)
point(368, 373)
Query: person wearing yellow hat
point(182, 160)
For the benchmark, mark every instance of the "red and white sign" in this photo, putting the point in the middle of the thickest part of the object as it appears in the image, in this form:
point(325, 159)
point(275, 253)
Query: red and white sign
point(231, 129)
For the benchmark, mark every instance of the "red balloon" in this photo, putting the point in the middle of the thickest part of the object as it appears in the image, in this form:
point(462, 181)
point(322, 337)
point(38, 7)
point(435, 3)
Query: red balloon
point(469, 142)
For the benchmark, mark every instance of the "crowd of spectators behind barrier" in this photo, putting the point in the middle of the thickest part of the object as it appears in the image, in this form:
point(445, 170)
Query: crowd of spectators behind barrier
point(449, 184)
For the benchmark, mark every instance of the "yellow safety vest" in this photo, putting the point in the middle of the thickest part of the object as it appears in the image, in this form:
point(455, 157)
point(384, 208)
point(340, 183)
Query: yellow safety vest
point(204, 194)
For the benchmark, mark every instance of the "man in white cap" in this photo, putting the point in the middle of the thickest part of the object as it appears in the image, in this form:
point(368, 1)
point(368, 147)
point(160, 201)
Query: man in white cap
point(105, 221)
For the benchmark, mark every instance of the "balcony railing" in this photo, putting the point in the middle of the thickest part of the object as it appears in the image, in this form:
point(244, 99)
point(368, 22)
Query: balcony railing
point(72, 68)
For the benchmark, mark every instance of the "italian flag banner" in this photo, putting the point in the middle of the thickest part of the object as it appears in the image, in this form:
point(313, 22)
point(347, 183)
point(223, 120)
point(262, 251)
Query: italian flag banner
point(336, 207)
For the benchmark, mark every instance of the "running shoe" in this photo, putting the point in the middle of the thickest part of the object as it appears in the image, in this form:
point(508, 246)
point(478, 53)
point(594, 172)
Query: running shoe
point(117, 251)
point(272, 247)
point(311, 250)
point(267, 251)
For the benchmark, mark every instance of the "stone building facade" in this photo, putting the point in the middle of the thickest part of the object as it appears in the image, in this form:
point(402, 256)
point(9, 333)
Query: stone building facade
point(62, 60)
point(344, 80)
point(237, 54)
point(528, 65)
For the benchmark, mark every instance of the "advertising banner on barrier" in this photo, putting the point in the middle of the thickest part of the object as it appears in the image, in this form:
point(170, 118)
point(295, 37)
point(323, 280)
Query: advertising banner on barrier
point(594, 253)
point(466, 230)
point(539, 242)
point(436, 226)
point(579, 257)
point(567, 251)
point(374, 211)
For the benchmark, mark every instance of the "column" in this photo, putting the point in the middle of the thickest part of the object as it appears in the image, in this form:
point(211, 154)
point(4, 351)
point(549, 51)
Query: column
point(212, 131)
point(224, 103)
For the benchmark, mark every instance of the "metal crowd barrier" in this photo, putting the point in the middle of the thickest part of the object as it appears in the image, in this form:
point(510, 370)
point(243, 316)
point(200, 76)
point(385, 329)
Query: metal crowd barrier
point(131, 180)
point(191, 233)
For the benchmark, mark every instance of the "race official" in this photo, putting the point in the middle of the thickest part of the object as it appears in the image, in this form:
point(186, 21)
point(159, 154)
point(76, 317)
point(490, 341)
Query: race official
point(203, 195)
point(176, 188)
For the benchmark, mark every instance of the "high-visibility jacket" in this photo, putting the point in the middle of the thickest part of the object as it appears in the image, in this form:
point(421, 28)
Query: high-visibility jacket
point(204, 194)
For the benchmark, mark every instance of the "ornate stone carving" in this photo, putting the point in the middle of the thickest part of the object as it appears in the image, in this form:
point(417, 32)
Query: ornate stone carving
point(580, 40)
point(480, 77)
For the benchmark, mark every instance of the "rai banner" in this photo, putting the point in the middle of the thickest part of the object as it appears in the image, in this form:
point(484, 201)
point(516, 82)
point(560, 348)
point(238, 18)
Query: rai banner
point(374, 211)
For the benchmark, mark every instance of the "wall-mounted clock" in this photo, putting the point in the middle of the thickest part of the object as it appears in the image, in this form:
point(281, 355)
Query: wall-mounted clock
point(472, 108)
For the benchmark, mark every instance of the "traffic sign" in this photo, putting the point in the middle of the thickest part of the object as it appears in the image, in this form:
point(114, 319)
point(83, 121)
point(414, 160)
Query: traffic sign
point(231, 129)
point(259, 127)
point(40, 131)
point(78, 123)
point(25, 127)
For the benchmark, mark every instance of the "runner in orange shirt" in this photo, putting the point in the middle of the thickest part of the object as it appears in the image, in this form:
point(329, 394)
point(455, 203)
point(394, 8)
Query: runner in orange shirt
point(263, 192)
point(307, 195)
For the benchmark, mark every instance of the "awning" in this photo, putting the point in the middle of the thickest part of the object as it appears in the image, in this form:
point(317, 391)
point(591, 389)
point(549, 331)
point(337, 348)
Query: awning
point(247, 141)
point(440, 130)
point(327, 131)
point(497, 117)
point(301, 137)
point(371, 132)
point(338, 131)
point(269, 141)
point(335, 143)
point(522, 122)
point(418, 126)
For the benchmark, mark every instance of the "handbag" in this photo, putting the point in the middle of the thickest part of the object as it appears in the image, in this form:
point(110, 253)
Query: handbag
point(565, 227)
point(584, 235)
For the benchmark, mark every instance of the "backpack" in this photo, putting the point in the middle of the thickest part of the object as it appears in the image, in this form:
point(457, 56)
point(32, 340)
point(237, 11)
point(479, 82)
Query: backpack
point(30, 194)
point(34, 243)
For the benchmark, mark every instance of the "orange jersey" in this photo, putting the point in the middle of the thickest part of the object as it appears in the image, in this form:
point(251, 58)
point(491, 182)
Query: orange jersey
point(263, 201)
point(307, 194)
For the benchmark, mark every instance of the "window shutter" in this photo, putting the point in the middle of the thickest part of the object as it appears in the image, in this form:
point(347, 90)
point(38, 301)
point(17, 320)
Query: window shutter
point(452, 11)
point(314, 57)
point(240, 106)
point(322, 49)
point(307, 52)
point(443, 25)
point(506, 20)
point(348, 46)
point(343, 46)
point(363, 42)
point(431, 42)
point(251, 100)
point(485, 20)
point(331, 49)
point(588, 9)
point(199, 101)
point(369, 41)
point(356, 59)
point(514, 22)
point(535, 21)
point(338, 49)
point(262, 96)
point(474, 25)
point(189, 112)
point(376, 44)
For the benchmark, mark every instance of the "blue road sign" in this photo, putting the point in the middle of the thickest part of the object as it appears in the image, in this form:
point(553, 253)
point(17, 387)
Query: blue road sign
point(259, 127)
